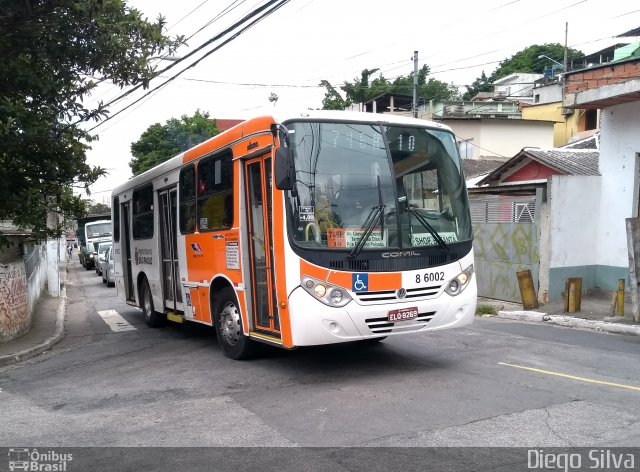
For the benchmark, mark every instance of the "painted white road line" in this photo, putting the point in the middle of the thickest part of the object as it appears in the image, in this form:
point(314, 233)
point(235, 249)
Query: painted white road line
point(115, 321)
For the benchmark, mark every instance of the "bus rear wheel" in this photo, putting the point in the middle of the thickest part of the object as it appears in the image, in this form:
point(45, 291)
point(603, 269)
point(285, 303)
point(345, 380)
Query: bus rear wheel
point(228, 323)
point(152, 318)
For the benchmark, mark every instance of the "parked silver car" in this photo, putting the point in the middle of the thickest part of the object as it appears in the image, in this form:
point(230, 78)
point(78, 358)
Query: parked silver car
point(99, 256)
point(108, 269)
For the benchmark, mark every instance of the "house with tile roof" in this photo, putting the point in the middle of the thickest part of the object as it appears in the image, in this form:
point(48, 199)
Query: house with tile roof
point(531, 213)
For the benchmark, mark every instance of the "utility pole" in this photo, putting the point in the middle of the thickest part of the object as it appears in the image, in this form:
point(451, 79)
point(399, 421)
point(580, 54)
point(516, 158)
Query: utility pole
point(563, 82)
point(566, 36)
point(414, 104)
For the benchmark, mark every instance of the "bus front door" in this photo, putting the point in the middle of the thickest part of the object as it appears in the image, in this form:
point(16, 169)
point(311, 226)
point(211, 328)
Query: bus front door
point(169, 249)
point(260, 211)
point(125, 237)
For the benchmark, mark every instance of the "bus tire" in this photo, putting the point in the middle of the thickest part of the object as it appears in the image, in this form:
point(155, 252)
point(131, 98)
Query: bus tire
point(152, 318)
point(228, 323)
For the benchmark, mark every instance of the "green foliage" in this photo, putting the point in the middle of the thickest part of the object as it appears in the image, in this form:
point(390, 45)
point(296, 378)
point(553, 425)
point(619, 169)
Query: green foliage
point(485, 310)
point(332, 98)
point(363, 89)
point(94, 208)
point(54, 53)
point(481, 84)
point(527, 60)
point(161, 142)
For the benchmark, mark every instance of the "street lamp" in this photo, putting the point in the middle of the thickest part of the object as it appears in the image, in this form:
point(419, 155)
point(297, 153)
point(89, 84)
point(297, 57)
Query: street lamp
point(552, 60)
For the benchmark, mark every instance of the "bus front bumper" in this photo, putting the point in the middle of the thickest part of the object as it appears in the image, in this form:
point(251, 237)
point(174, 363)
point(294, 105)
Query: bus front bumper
point(314, 323)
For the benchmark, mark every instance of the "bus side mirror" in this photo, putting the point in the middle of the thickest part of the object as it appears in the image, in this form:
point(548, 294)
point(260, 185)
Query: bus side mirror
point(284, 168)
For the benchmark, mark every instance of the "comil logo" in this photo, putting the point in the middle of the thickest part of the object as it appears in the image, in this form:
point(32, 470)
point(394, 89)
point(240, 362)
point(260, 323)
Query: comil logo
point(41, 461)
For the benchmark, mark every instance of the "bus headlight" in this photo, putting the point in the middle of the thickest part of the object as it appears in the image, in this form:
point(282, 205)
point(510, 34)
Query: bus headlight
point(326, 293)
point(459, 282)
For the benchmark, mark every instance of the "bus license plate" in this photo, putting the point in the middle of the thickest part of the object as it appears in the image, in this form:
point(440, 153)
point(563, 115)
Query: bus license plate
point(403, 314)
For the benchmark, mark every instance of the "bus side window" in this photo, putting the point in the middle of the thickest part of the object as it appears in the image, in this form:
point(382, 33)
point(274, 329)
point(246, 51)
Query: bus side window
point(215, 192)
point(143, 212)
point(187, 199)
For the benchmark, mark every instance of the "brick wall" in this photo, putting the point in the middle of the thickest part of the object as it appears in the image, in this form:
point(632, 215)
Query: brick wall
point(606, 75)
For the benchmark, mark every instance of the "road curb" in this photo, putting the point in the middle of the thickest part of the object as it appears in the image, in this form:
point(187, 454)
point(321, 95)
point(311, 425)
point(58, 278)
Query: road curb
point(570, 322)
point(47, 343)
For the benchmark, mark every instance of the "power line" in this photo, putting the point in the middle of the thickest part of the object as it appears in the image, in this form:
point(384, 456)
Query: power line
point(277, 4)
point(199, 48)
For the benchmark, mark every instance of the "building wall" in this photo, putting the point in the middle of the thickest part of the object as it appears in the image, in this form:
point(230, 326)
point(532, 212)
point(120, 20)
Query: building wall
point(501, 138)
point(15, 317)
point(544, 222)
point(603, 75)
point(574, 226)
point(619, 147)
point(564, 128)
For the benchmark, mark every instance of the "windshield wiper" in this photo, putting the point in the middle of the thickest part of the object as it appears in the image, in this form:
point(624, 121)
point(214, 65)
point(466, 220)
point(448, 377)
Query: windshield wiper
point(375, 213)
point(370, 223)
point(423, 221)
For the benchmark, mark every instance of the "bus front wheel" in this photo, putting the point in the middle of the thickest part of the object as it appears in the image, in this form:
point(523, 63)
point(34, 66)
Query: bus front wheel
point(228, 322)
point(151, 317)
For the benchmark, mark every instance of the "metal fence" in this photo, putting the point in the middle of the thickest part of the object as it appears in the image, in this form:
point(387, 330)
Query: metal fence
point(33, 259)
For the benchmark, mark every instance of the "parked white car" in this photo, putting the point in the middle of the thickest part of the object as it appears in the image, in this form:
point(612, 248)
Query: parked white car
point(99, 256)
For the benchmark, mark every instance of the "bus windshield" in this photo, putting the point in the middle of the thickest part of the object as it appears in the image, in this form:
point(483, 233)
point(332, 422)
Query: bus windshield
point(371, 186)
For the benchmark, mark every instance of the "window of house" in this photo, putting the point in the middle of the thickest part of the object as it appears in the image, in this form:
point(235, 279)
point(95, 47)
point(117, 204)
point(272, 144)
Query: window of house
point(116, 218)
point(215, 192)
point(143, 213)
point(187, 190)
point(591, 119)
point(536, 98)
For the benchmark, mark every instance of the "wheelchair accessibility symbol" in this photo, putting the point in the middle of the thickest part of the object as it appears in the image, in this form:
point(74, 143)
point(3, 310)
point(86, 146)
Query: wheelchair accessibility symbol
point(359, 282)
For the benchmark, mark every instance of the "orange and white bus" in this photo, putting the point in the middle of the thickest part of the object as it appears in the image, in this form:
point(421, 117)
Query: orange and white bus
point(317, 228)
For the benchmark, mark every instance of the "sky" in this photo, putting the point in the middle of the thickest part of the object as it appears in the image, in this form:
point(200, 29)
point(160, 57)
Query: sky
point(291, 51)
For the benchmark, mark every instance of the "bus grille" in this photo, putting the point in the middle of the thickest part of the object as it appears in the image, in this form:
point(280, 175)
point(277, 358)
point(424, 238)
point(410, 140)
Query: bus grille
point(393, 265)
point(382, 325)
point(390, 295)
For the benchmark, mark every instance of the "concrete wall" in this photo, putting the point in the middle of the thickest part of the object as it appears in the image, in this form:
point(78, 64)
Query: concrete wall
point(574, 224)
point(502, 138)
point(619, 148)
point(15, 318)
point(544, 222)
point(37, 280)
point(563, 129)
point(18, 296)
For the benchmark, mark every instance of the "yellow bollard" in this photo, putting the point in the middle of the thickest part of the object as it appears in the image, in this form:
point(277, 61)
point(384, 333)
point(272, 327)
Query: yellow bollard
point(573, 295)
point(527, 292)
point(620, 298)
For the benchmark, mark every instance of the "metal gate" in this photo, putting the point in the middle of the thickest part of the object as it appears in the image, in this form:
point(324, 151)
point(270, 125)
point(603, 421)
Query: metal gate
point(506, 240)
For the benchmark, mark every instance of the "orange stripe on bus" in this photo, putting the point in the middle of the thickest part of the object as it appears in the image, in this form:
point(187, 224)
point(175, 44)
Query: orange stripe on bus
point(311, 270)
point(377, 282)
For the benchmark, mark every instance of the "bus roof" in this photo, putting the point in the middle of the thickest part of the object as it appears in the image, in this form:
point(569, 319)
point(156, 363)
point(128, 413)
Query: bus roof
point(248, 127)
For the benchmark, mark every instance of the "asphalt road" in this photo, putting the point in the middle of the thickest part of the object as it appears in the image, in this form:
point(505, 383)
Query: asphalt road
point(496, 383)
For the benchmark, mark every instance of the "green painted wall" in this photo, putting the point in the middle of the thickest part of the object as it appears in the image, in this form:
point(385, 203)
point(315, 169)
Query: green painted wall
point(593, 276)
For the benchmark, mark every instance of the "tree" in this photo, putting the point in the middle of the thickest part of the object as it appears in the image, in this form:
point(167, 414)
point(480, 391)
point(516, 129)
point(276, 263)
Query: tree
point(161, 142)
point(527, 60)
point(94, 208)
point(332, 98)
point(54, 54)
point(481, 84)
point(363, 89)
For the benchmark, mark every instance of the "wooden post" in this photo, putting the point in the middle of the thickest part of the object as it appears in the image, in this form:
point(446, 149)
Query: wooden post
point(527, 291)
